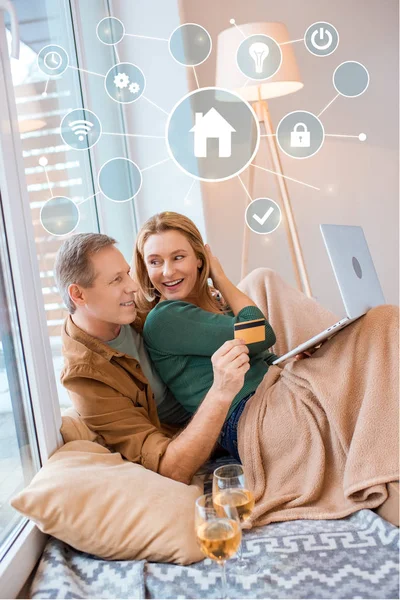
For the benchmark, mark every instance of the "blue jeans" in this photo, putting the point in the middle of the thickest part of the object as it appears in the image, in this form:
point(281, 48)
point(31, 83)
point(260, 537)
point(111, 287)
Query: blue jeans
point(228, 435)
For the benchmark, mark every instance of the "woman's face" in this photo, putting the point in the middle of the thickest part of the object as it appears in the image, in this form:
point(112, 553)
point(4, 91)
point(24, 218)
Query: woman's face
point(172, 265)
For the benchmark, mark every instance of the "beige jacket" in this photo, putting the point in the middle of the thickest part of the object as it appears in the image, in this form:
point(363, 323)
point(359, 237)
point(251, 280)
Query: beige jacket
point(112, 396)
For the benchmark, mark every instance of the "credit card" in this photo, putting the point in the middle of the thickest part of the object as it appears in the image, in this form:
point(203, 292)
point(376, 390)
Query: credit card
point(250, 331)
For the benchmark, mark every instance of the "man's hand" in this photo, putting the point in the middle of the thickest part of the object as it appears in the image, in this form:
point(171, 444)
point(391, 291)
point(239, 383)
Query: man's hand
point(187, 452)
point(230, 365)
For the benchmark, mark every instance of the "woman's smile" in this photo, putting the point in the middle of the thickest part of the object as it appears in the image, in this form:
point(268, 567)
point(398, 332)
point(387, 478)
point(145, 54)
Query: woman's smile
point(173, 285)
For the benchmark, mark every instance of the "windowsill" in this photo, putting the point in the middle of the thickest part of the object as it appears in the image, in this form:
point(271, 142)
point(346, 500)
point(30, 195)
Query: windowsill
point(20, 560)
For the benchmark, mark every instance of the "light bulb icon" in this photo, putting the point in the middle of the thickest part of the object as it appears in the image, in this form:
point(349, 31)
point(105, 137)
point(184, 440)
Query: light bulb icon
point(259, 52)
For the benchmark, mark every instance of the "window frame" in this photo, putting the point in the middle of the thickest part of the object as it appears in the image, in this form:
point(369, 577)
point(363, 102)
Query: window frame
point(21, 558)
point(24, 267)
point(27, 542)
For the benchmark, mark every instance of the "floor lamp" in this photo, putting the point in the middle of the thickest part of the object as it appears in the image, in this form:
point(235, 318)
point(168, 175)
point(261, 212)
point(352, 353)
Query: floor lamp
point(285, 81)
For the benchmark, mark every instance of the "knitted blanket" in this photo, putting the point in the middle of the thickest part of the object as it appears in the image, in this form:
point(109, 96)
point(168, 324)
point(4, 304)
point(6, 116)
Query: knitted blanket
point(319, 439)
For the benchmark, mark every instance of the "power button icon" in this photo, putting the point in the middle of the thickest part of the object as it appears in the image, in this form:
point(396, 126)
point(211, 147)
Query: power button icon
point(321, 39)
point(318, 36)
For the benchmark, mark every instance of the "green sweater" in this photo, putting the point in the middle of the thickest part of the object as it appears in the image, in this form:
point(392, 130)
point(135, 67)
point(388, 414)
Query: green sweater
point(181, 338)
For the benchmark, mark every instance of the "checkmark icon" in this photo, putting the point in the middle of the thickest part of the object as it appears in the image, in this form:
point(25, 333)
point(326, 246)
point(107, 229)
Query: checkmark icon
point(266, 213)
point(261, 220)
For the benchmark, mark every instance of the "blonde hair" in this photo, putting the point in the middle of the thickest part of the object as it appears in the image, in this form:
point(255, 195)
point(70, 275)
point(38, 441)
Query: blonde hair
point(147, 297)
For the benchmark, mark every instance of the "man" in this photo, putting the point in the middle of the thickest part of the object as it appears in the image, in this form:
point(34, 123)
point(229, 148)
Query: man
point(109, 376)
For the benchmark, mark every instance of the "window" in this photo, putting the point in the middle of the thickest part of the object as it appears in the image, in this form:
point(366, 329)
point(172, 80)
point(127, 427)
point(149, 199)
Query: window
point(41, 103)
point(19, 458)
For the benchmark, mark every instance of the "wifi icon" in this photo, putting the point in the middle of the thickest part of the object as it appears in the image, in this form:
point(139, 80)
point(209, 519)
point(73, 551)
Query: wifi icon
point(80, 129)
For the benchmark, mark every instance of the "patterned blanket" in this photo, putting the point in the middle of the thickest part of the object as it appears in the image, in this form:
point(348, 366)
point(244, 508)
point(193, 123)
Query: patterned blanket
point(355, 557)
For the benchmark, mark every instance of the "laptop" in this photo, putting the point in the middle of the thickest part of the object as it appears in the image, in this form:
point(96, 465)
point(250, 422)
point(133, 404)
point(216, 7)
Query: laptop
point(355, 275)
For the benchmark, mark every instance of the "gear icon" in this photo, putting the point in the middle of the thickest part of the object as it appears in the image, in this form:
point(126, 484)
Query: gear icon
point(121, 80)
point(134, 88)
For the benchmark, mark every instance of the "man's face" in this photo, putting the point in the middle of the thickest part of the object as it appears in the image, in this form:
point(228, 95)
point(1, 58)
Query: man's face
point(111, 299)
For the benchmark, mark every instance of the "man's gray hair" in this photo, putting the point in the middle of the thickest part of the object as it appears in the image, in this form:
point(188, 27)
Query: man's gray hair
point(73, 264)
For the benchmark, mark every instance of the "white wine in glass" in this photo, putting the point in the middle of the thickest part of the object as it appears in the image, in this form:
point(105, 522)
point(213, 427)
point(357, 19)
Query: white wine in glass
point(241, 499)
point(219, 539)
point(218, 535)
point(230, 490)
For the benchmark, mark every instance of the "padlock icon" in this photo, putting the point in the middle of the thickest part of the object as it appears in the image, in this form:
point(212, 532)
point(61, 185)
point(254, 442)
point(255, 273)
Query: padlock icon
point(300, 136)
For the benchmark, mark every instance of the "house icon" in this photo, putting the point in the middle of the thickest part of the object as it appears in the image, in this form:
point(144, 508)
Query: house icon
point(212, 125)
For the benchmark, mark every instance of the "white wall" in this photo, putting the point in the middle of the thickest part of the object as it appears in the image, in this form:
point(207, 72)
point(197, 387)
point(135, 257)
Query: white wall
point(358, 181)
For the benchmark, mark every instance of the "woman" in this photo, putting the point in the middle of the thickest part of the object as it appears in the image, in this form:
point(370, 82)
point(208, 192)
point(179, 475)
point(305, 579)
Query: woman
point(318, 437)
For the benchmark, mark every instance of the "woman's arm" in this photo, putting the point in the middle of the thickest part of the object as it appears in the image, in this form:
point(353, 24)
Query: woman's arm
point(180, 328)
point(232, 296)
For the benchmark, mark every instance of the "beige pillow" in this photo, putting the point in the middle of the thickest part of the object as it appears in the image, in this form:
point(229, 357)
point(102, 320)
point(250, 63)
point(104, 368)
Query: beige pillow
point(99, 503)
point(73, 428)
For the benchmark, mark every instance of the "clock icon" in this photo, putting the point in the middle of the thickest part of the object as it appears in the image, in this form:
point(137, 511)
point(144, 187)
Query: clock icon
point(53, 60)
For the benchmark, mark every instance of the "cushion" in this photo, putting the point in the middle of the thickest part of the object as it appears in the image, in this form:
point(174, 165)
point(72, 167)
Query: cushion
point(73, 428)
point(99, 503)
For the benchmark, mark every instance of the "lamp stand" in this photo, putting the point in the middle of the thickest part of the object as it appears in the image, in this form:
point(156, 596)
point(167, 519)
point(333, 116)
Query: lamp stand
point(262, 112)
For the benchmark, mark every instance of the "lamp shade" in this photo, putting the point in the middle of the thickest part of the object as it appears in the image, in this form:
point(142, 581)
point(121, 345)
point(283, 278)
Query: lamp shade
point(285, 81)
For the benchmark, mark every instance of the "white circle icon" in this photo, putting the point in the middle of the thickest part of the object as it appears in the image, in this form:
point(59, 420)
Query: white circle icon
point(259, 57)
point(300, 134)
point(318, 38)
point(263, 216)
point(212, 134)
point(351, 79)
point(52, 60)
point(125, 83)
point(190, 44)
point(110, 31)
point(80, 129)
point(59, 215)
point(120, 179)
point(321, 38)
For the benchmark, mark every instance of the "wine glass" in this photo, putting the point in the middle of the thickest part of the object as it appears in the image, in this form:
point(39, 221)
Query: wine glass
point(218, 535)
point(230, 489)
